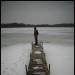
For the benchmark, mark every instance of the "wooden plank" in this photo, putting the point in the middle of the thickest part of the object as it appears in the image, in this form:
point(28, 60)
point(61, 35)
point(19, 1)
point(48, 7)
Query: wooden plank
point(37, 64)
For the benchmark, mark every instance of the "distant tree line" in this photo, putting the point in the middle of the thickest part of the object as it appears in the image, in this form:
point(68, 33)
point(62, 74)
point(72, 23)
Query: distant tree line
point(14, 25)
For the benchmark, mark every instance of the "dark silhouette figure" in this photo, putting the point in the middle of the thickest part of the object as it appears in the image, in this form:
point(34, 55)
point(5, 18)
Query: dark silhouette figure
point(36, 35)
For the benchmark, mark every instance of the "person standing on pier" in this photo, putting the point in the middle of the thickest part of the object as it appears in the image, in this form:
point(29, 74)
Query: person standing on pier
point(36, 35)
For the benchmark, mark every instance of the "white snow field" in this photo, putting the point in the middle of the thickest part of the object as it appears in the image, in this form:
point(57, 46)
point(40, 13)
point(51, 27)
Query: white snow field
point(14, 58)
point(16, 47)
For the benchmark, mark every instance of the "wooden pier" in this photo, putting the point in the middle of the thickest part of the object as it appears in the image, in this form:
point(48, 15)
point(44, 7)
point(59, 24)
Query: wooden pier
point(37, 64)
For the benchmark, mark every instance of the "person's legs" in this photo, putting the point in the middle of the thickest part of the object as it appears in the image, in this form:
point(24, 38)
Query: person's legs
point(35, 40)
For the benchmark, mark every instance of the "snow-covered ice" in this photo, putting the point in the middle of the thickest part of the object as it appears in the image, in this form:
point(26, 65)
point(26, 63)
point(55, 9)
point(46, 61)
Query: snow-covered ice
point(14, 58)
point(60, 58)
point(16, 47)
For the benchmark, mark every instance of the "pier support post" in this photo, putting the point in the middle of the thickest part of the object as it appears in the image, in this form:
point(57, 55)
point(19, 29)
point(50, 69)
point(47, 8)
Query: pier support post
point(26, 69)
point(49, 69)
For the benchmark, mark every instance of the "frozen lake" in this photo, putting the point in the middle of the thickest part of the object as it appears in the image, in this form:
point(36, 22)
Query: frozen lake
point(10, 36)
point(58, 47)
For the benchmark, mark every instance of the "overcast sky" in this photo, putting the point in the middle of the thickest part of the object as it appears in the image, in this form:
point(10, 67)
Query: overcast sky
point(37, 12)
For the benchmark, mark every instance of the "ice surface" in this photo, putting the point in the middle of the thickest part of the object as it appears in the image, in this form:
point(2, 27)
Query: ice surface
point(14, 58)
point(16, 47)
point(11, 36)
point(60, 58)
